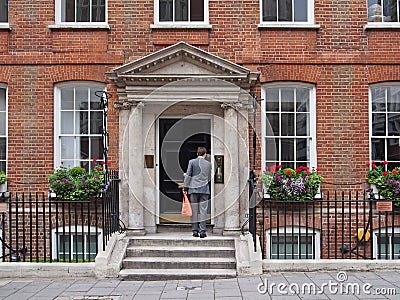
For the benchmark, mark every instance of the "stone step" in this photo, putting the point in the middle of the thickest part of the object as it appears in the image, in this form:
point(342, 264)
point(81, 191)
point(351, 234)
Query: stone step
point(186, 242)
point(159, 263)
point(175, 274)
point(180, 251)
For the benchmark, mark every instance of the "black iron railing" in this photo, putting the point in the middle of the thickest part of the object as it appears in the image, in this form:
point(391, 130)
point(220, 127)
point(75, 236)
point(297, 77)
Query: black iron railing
point(36, 228)
point(339, 226)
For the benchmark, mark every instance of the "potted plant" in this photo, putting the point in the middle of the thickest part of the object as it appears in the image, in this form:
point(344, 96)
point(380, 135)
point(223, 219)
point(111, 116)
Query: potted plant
point(300, 184)
point(3, 182)
point(385, 183)
point(76, 183)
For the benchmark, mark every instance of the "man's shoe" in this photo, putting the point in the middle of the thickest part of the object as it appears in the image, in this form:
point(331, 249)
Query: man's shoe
point(195, 234)
point(203, 235)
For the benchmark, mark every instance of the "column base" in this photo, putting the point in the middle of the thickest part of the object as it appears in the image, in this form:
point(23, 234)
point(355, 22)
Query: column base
point(135, 232)
point(232, 232)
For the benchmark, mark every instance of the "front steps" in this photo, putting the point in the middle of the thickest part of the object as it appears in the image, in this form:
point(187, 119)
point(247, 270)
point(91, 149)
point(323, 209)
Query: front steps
point(178, 256)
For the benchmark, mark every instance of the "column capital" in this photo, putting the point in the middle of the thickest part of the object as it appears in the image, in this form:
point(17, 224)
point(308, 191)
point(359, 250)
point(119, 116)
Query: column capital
point(234, 105)
point(126, 105)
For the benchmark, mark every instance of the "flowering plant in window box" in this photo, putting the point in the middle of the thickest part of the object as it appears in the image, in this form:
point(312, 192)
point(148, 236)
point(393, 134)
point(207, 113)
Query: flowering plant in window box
point(76, 183)
point(300, 184)
point(386, 182)
point(3, 182)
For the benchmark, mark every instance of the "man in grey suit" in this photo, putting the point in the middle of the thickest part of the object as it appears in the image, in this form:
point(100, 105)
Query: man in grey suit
point(198, 175)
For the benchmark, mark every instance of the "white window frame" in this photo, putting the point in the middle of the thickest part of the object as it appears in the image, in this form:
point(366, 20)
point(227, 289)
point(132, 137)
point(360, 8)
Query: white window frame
point(57, 116)
point(59, 23)
point(75, 231)
point(313, 144)
point(297, 231)
point(282, 24)
point(386, 137)
point(180, 24)
point(5, 25)
point(383, 232)
point(4, 86)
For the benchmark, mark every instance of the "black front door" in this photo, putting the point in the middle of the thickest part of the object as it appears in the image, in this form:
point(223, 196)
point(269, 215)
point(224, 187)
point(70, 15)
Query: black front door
point(178, 142)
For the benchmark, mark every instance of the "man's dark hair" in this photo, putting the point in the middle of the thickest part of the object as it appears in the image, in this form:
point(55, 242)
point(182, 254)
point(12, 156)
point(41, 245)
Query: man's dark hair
point(201, 151)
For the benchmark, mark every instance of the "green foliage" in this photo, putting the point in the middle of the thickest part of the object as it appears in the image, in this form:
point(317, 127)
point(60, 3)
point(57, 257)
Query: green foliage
point(293, 185)
point(76, 183)
point(3, 177)
point(387, 182)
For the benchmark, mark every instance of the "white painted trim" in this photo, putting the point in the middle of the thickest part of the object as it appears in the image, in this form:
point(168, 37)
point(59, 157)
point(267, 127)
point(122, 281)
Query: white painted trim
point(310, 18)
point(169, 25)
point(5, 26)
point(157, 152)
point(375, 239)
point(79, 26)
point(58, 21)
point(382, 25)
point(297, 230)
point(79, 230)
point(293, 25)
point(5, 86)
point(177, 24)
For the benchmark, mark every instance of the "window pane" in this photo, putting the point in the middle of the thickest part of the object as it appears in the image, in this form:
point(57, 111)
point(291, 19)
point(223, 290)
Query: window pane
point(81, 99)
point(273, 120)
point(393, 150)
point(83, 123)
point(3, 124)
point(378, 124)
point(394, 124)
point(302, 124)
point(271, 149)
point(67, 122)
point(302, 150)
point(82, 11)
point(272, 99)
point(166, 10)
point(94, 100)
point(378, 96)
point(96, 147)
point(67, 148)
point(287, 125)
point(4, 11)
point(287, 99)
point(300, 10)
point(303, 100)
point(2, 99)
point(3, 149)
point(67, 99)
point(196, 10)
point(390, 10)
point(393, 94)
point(98, 11)
point(84, 147)
point(269, 10)
point(64, 246)
point(181, 10)
point(378, 149)
point(287, 150)
point(68, 11)
point(96, 122)
point(285, 10)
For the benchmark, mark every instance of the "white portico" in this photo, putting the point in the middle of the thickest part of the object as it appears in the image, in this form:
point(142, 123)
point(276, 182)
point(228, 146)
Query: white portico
point(170, 102)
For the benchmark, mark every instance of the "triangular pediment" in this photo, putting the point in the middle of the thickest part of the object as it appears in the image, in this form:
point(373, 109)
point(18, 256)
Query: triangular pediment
point(181, 61)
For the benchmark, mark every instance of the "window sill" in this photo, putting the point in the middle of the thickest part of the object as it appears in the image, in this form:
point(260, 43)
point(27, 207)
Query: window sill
point(5, 26)
point(180, 26)
point(286, 25)
point(382, 26)
point(80, 26)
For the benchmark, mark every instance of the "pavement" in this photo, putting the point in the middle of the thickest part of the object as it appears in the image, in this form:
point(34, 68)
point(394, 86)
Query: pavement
point(281, 286)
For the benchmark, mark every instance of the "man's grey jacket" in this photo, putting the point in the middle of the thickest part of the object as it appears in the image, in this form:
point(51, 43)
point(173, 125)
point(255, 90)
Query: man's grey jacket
point(198, 176)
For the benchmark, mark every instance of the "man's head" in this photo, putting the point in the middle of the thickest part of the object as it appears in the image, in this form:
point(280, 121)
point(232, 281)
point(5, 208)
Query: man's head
point(201, 151)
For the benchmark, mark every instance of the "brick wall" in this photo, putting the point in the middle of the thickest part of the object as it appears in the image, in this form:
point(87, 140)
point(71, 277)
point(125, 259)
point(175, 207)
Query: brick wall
point(340, 58)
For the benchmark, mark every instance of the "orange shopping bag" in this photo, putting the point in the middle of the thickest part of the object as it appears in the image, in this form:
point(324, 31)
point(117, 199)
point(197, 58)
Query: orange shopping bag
point(186, 207)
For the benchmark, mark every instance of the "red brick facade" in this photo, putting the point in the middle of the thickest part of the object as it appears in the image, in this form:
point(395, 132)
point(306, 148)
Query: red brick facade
point(340, 58)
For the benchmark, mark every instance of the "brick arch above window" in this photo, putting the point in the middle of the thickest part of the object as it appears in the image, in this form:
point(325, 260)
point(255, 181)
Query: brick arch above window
point(383, 73)
point(302, 73)
point(73, 73)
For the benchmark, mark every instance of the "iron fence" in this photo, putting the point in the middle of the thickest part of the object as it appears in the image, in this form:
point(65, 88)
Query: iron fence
point(36, 228)
point(337, 226)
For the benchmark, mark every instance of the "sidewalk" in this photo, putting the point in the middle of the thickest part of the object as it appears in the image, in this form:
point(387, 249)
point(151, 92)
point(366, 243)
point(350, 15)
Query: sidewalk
point(306, 285)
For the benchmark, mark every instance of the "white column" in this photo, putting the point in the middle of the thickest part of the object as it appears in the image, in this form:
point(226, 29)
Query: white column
point(136, 165)
point(231, 153)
